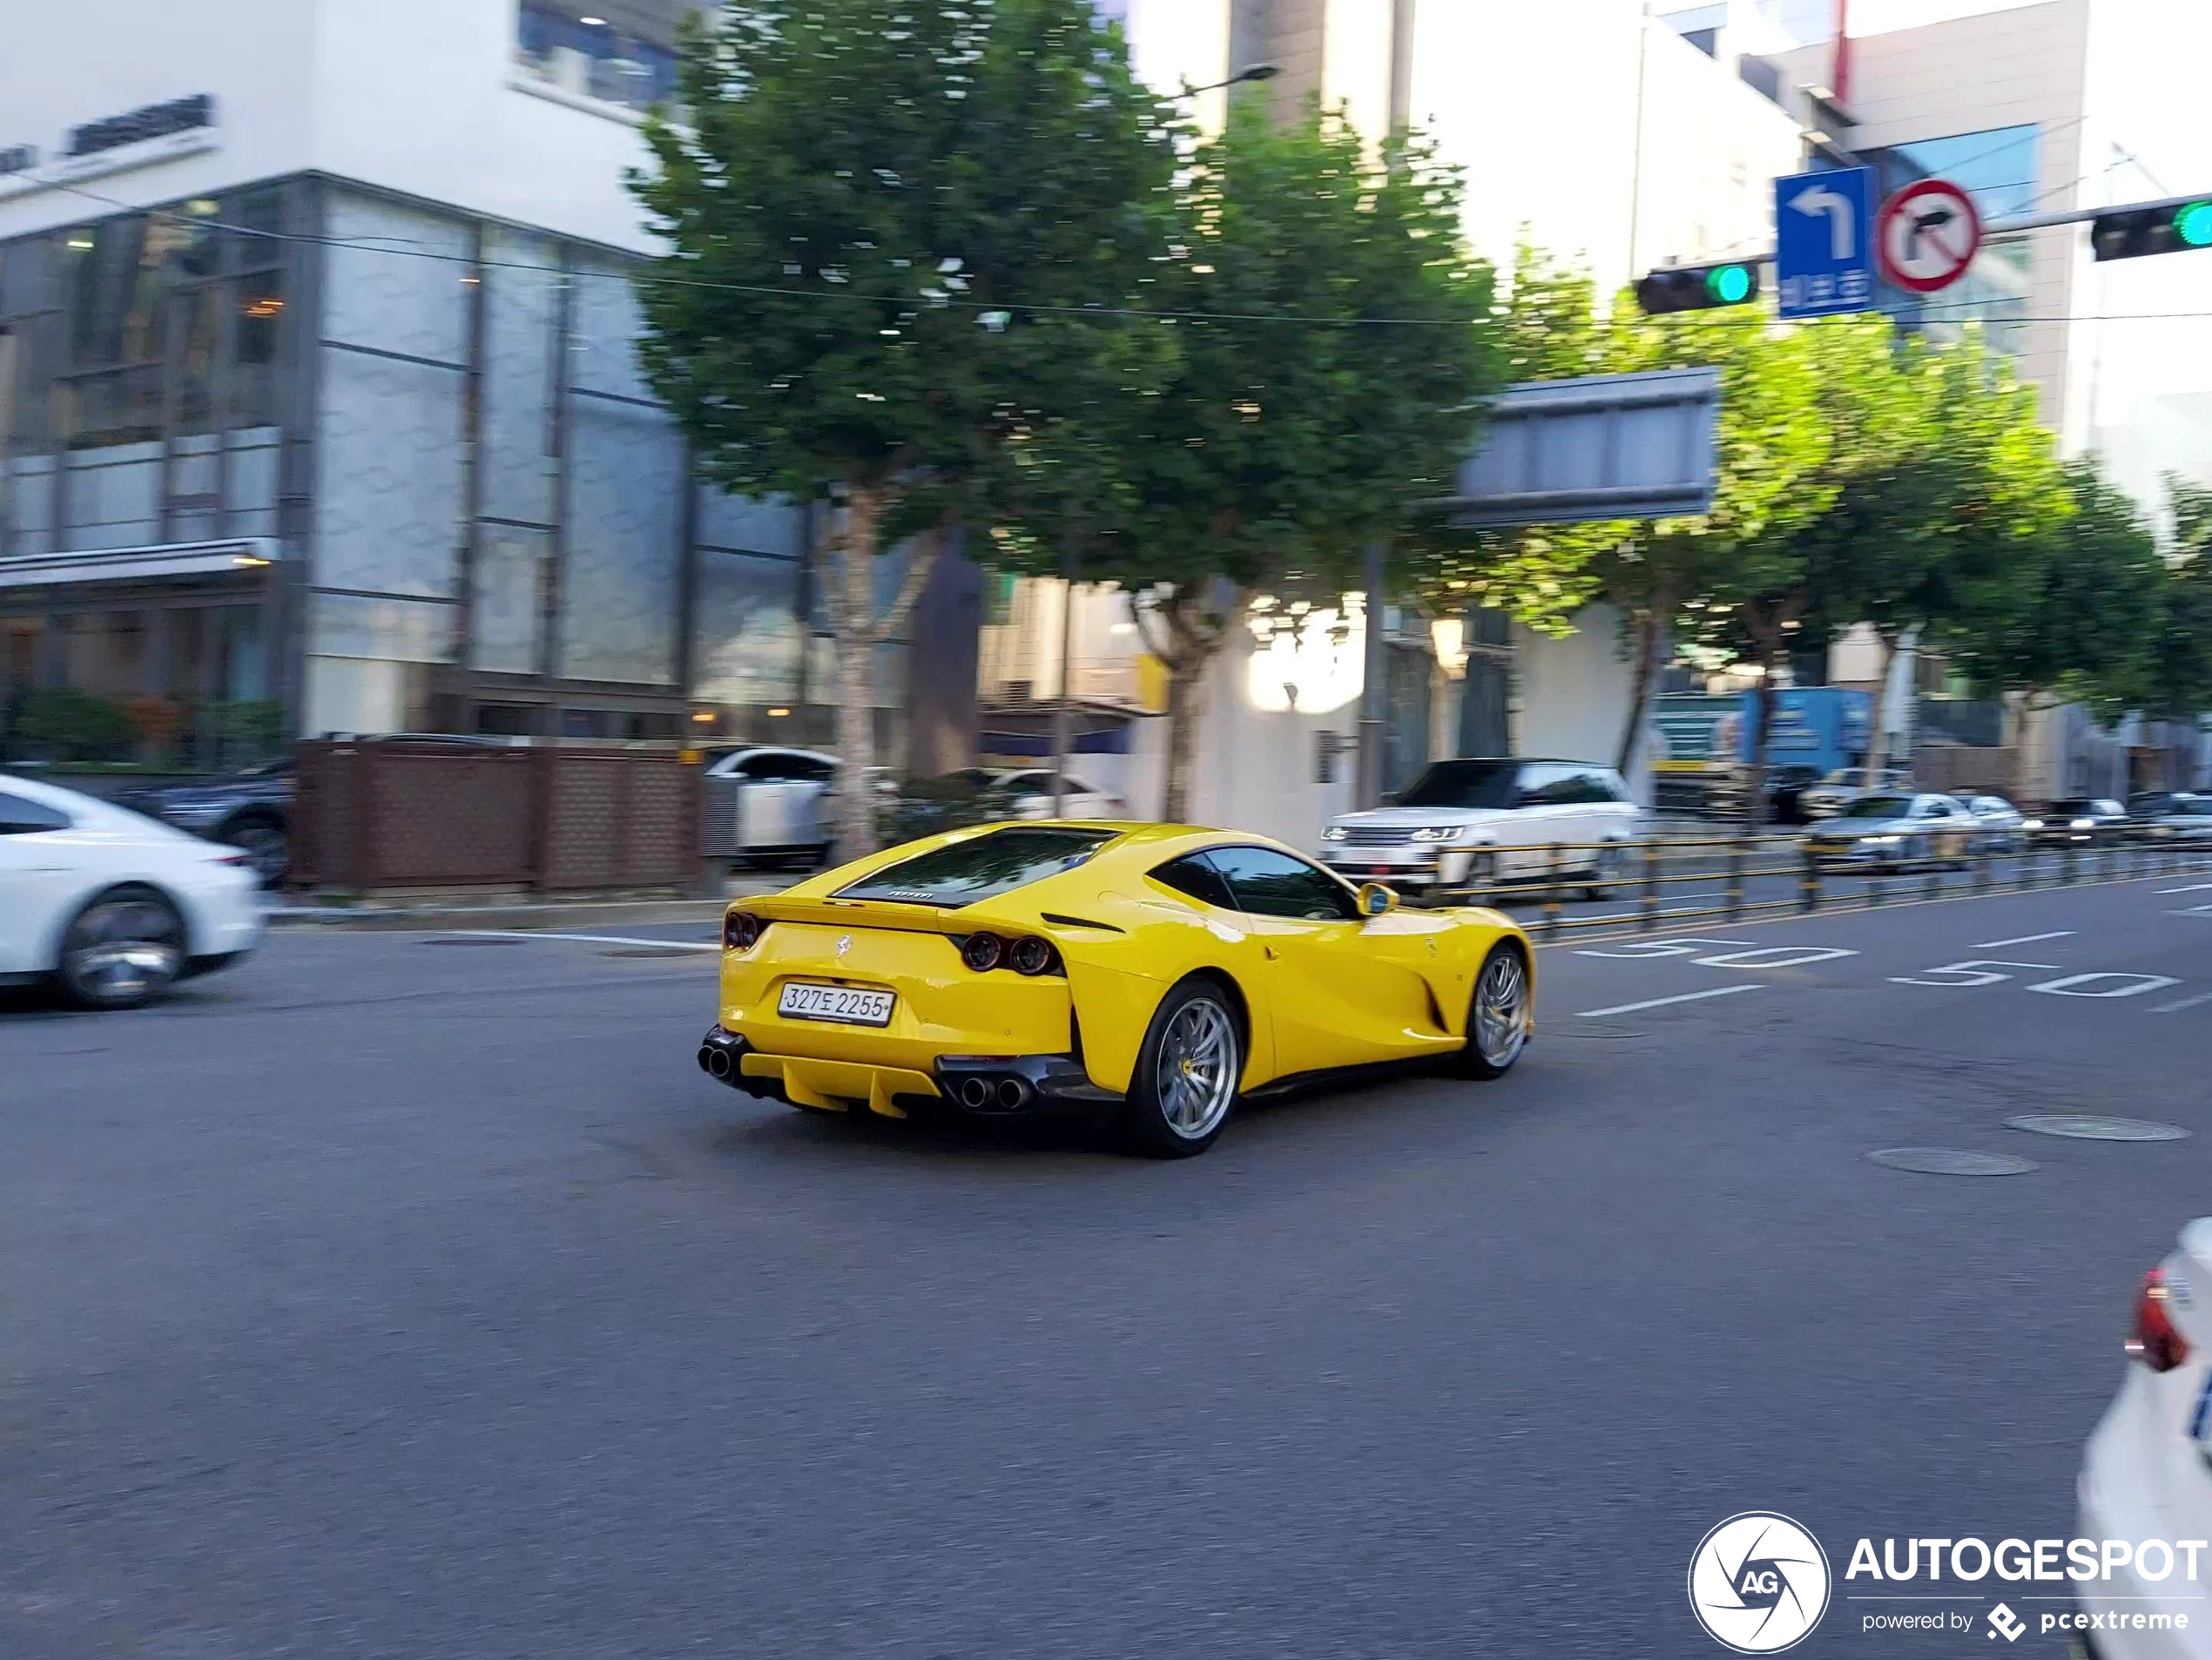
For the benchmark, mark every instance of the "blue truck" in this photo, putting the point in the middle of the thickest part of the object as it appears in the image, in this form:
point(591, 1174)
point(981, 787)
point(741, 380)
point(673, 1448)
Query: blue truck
point(1701, 747)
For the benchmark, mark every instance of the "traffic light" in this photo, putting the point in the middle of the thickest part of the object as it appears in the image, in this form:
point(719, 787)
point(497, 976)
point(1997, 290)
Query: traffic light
point(2132, 232)
point(1697, 287)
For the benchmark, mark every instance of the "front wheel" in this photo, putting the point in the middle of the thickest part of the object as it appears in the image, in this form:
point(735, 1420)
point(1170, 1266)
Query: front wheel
point(1187, 1073)
point(124, 949)
point(1498, 1014)
point(1605, 875)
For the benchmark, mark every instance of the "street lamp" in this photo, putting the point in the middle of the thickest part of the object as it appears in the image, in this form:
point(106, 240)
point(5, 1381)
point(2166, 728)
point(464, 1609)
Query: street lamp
point(1256, 73)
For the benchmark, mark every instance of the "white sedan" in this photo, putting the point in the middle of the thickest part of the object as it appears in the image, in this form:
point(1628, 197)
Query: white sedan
point(112, 905)
point(2148, 1471)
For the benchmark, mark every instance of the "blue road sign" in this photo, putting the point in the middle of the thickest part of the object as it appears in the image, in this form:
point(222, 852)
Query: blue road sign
point(1824, 242)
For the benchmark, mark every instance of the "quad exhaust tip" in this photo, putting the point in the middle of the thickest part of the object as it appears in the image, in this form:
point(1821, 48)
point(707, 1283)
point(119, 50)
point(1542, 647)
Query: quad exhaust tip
point(982, 1093)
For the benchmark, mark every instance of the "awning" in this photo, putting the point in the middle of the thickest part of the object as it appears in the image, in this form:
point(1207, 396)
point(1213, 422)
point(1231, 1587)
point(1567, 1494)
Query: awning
point(236, 556)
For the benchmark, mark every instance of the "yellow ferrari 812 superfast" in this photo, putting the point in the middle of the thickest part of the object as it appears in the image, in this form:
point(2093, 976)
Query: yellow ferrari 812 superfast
point(1156, 972)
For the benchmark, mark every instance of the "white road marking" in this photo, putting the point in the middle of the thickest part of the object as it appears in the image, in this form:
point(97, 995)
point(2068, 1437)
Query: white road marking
point(585, 939)
point(2141, 983)
point(1660, 1002)
point(2185, 1003)
point(2194, 910)
point(2193, 887)
point(2025, 939)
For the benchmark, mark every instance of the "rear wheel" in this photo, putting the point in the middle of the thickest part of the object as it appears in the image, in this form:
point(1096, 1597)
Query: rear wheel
point(1605, 875)
point(125, 948)
point(263, 839)
point(1187, 1072)
point(1498, 1014)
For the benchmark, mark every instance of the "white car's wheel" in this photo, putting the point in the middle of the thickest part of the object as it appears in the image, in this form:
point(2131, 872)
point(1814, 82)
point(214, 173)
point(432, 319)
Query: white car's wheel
point(1606, 874)
point(125, 948)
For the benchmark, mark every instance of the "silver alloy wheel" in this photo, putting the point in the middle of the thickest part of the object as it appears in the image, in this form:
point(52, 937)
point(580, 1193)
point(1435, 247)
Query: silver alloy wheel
point(266, 843)
point(1501, 1010)
point(1196, 1076)
point(123, 950)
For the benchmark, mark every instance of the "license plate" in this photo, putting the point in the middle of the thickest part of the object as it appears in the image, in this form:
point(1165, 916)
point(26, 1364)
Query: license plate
point(803, 1002)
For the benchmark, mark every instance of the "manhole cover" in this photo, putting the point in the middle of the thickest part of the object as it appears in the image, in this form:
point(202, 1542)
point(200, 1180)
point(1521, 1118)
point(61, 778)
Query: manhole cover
point(1951, 1161)
point(468, 939)
point(2082, 1127)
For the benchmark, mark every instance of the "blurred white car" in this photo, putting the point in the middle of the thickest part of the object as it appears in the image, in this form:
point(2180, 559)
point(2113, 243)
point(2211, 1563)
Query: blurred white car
point(1474, 820)
point(2002, 825)
point(2147, 1473)
point(1028, 794)
point(114, 907)
point(1834, 792)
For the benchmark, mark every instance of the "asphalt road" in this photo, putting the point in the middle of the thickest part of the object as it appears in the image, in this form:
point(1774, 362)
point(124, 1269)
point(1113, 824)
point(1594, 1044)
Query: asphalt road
point(397, 1297)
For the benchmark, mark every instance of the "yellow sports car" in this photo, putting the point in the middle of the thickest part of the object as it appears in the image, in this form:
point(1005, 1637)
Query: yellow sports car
point(1156, 971)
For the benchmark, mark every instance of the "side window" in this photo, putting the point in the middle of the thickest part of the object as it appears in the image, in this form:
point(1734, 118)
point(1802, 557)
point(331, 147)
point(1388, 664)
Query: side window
point(1591, 786)
point(1267, 883)
point(1196, 878)
point(19, 817)
point(1540, 786)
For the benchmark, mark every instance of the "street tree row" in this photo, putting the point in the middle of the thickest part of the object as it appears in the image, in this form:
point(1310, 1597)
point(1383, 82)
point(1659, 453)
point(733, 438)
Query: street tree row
point(954, 272)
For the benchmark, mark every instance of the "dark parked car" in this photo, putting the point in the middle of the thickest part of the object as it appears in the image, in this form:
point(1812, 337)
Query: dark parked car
point(2078, 821)
point(2172, 816)
point(250, 810)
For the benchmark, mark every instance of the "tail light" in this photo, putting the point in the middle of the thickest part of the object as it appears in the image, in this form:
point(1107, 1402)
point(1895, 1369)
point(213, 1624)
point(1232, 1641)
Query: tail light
point(234, 859)
point(741, 931)
point(2153, 1340)
point(1031, 955)
point(983, 952)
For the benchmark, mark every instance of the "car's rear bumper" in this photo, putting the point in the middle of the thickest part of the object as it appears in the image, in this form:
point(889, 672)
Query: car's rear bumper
point(997, 1086)
point(2126, 1616)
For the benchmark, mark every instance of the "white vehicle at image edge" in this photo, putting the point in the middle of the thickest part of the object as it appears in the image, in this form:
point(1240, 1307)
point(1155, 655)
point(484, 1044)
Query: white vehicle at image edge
point(1478, 818)
point(2147, 1470)
point(114, 907)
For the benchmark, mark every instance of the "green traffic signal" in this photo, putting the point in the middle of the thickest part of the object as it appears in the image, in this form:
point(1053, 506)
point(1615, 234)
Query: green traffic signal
point(2193, 224)
point(2133, 233)
point(1731, 284)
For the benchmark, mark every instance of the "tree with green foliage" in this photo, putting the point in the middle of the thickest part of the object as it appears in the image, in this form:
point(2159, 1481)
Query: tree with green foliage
point(2077, 622)
point(2177, 671)
point(1942, 512)
point(1325, 355)
point(891, 227)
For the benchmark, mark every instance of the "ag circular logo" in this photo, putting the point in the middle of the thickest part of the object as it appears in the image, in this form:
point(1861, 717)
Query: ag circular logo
point(1758, 1584)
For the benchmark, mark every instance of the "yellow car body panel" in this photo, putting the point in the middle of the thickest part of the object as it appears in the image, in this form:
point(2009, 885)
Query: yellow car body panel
point(1317, 995)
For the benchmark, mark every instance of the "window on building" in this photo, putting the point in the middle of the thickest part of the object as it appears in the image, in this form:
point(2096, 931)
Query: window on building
point(619, 51)
point(1998, 167)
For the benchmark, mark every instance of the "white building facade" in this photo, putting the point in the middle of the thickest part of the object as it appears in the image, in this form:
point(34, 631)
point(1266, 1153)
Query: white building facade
point(321, 408)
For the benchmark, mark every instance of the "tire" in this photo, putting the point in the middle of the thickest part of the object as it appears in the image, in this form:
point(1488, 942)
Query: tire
point(123, 950)
point(1194, 1021)
point(1505, 970)
point(265, 838)
point(1605, 875)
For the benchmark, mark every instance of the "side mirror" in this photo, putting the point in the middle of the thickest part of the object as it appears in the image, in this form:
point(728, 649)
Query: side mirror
point(1375, 899)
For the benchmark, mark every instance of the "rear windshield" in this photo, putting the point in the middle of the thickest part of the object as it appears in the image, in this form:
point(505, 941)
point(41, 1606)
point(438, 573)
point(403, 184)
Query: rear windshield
point(1881, 806)
point(1462, 784)
point(982, 867)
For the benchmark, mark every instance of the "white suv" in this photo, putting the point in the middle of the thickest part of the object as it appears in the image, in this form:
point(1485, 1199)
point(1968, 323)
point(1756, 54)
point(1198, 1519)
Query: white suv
point(1474, 821)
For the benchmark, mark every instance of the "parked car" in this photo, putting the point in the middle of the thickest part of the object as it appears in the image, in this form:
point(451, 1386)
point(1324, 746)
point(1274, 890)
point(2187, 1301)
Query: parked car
point(770, 804)
point(113, 907)
point(252, 809)
point(1479, 818)
point(1894, 831)
point(2175, 817)
point(2002, 825)
point(1028, 794)
point(1834, 792)
point(2076, 821)
point(2144, 1470)
point(1785, 788)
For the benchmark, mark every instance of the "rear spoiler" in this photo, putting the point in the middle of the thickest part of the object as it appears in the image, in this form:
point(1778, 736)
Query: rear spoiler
point(858, 913)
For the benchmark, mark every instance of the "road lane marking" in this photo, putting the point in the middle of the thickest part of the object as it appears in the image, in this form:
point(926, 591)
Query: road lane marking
point(2025, 939)
point(2193, 887)
point(1660, 1002)
point(2144, 982)
point(2185, 1003)
point(583, 939)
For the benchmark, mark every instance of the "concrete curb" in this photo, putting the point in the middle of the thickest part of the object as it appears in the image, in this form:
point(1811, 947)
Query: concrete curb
point(571, 914)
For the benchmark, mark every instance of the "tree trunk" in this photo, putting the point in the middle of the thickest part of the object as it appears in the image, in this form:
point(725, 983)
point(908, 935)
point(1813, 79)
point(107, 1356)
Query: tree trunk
point(852, 617)
point(1184, 676)
point(1755, 806)
point(1878, 742)
point(1647, 647)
